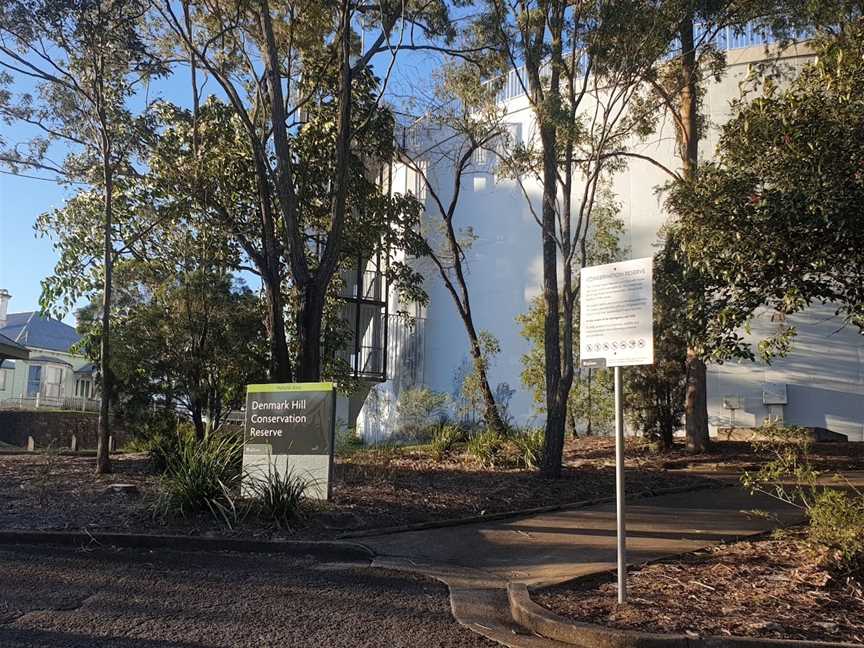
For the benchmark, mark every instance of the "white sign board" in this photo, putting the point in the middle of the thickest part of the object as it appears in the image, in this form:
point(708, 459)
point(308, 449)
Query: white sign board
point(616, 321)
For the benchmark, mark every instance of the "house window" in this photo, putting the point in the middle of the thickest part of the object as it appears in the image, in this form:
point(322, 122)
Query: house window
point(3, 373)
point(82, 388)
point(34, 380)
point(53, 387)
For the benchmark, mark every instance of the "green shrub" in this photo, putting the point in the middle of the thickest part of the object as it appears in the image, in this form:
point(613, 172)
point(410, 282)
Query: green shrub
point(202, 476)
point(836, 517)
point(837, 521)
point(487, 448)
point(420, 411)
point(276, 499)
point(530, 446)
point(161, 446)
point(788, 449)
point(159, 423)
point(347, 441)
point(445, 438)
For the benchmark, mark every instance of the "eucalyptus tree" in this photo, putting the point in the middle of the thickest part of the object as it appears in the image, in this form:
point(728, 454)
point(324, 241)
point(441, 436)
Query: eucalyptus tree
point(590, 401)
point(461, 121)
point(675, 86)
point(578, 65)
point(75, 66)
point(215, 189)
point(274, 61)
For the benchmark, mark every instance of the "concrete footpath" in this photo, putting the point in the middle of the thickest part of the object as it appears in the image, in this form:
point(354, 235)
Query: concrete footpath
point(477, 561)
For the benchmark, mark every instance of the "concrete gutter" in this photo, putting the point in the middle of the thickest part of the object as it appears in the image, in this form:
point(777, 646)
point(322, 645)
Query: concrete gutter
point(317, 548)
point(546, 623)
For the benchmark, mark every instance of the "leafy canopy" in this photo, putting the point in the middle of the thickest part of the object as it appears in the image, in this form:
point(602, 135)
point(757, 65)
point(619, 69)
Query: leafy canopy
point(776, 219)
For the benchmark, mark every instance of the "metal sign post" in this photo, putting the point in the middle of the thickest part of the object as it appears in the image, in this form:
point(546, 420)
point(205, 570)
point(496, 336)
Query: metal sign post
point(617, 330)
point(619, 487)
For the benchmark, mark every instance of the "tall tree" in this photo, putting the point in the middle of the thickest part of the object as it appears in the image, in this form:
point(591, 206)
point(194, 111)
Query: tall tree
point(85, 59)
point(274, 59)
point(579, 76)
point(788, 173)
point(676, 83)
point(460, 124)
point(589, 401)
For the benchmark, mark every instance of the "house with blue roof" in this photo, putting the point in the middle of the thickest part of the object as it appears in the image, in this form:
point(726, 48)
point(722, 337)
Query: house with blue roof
point(38, 364)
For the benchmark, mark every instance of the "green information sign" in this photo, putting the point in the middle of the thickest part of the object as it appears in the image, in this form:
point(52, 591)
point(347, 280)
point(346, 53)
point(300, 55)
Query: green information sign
point(290, 427)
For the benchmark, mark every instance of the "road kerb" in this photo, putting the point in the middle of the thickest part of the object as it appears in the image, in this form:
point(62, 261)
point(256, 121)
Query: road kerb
point(546, 623)
point(318, 548)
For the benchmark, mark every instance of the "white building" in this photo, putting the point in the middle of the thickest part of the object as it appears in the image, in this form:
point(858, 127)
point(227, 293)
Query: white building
point(38, 365)
point(822, 378)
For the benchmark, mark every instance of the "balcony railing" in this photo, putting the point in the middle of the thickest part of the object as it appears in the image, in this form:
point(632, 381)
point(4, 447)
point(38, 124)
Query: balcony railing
point(67, 403)
point(365, 312)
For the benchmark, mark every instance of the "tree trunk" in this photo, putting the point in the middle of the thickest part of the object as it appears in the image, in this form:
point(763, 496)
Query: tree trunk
point(696, 406)
point(103, 460)
point(198, 422)
point(312, 285)
point(667, 429)
point(696, 402)
point(571, 424)
point(491, 416)
point(555, 408)
point(309, 316)
point(280, 361)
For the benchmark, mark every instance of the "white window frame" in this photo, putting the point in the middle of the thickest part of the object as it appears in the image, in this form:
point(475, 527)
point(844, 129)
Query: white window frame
point(49, 373)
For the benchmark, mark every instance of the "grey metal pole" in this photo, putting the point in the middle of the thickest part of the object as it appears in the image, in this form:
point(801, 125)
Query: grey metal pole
point(619, 487)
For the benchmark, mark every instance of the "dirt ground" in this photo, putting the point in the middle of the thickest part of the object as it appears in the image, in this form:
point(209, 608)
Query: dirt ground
point(774, 588)
point(371, 489)
point(724, 456)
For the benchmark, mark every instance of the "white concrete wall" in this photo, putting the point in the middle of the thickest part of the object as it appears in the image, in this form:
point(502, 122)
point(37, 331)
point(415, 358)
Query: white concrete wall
point(504, 272)
point(823, 374)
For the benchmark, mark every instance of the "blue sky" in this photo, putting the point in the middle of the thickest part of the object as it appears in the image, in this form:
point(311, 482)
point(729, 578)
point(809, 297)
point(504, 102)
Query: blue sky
point(26, 258)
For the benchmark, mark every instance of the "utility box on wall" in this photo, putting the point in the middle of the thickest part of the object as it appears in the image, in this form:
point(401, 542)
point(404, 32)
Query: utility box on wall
point(775, 397)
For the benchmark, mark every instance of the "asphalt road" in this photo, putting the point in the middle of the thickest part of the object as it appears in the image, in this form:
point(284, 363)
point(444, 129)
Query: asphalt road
point(63, 597)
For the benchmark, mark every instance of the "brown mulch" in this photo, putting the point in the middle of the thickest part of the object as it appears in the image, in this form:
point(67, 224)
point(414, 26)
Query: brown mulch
point(412, 487)
point(772, 588)
point(723, 456)
point(371, 489)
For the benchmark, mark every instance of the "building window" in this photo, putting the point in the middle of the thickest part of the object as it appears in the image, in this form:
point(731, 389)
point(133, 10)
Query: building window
point(34, 380)
point(513, 136)
point(53, 387)
point(82, 388)
point(479, 156)
point(3, 373)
